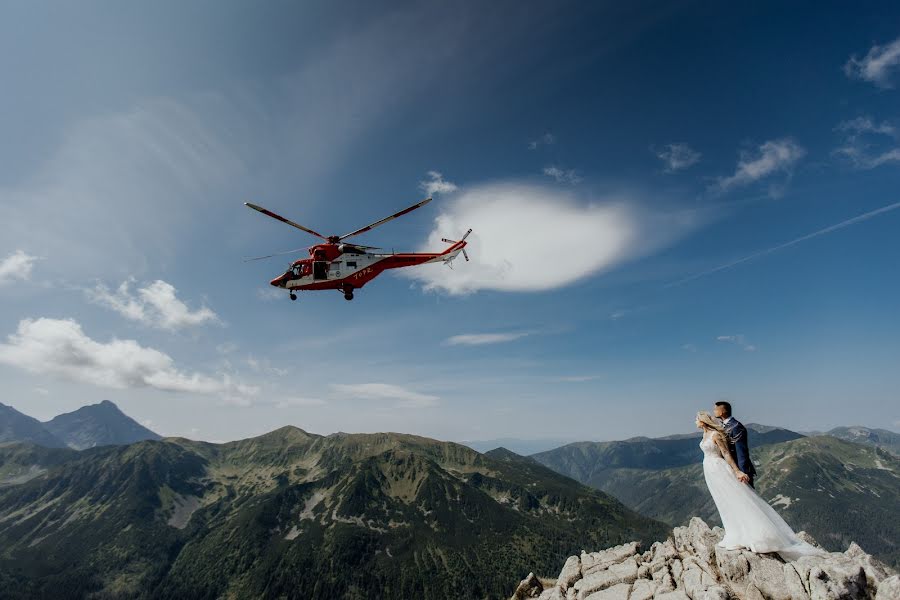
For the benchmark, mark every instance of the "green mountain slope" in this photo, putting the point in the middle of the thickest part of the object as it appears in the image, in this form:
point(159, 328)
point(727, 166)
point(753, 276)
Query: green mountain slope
point(836, 490)
point(292, 514)
point(99, 424)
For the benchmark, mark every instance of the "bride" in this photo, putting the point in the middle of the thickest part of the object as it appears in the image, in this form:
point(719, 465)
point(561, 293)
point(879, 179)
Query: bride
point(748, 520)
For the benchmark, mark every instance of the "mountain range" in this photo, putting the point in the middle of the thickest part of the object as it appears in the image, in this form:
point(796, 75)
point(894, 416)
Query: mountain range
point(291, 513)
point(85, 510)
point(100, 424)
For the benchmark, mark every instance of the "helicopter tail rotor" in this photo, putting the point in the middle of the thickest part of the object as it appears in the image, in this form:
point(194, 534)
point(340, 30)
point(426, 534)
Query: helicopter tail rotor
point(458, 246)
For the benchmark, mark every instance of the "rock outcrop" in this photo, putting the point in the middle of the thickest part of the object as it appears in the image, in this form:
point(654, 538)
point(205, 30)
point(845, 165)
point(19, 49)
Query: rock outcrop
point(691, 566)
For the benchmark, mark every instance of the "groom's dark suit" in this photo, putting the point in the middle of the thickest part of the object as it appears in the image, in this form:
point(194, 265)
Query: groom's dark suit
point(739, 448)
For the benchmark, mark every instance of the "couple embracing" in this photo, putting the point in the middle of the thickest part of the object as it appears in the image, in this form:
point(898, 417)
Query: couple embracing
point(749, 522)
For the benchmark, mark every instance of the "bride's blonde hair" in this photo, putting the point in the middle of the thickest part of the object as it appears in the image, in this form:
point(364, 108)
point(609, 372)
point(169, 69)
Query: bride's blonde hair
point(710, 421)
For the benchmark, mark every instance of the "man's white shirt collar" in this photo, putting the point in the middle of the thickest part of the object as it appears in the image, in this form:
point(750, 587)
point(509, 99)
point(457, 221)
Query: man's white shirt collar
point(726, 421)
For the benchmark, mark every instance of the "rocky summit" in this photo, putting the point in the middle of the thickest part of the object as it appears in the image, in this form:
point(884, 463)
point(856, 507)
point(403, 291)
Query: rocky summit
point(691, 566)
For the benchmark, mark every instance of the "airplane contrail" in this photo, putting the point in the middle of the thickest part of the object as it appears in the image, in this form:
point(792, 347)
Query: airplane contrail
point(841, 225)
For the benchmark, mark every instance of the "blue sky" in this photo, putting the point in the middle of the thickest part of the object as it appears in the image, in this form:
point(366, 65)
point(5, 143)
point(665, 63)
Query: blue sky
point(612, 161)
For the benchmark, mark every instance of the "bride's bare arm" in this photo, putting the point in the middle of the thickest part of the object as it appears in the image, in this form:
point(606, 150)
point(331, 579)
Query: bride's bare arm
point(719, 439)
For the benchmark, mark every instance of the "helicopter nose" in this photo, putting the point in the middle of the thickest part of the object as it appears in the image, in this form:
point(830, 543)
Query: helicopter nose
point(278, 281)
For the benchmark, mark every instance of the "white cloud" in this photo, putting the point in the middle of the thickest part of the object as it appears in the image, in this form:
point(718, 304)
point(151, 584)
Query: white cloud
point(865, 124)
point(689, 347)
point(876, 66)
point(155, 304)
point(529, 237)
point(548, 139)
point(738, 340)
point(295, 402)
point(863, 146)
point(270, 294)
point(264, 366)
point(383, 391)
point(774, 156)
point(17, 265)
point(569, 176)
point(478, 339)
point(60, 348)
point(677, 157)
point(435, 184)
point(42, 391)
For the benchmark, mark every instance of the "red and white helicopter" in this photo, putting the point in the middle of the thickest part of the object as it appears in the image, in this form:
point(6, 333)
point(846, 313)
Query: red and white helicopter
point(346, 267)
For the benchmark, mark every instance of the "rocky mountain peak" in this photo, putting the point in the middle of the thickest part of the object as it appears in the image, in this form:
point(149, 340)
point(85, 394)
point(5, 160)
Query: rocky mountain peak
point(691, 566)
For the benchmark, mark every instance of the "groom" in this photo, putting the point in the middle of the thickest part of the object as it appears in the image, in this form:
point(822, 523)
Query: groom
point(737, 441)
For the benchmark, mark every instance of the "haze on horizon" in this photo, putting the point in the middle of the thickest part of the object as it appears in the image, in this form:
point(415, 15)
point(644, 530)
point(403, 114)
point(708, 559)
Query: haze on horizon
point(671, 204)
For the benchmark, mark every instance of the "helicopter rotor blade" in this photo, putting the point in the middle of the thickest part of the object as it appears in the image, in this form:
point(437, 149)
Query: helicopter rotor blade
point(364, 247)
point(465, 254)
point(276, 254)
point(386, 219)
point(269, 213)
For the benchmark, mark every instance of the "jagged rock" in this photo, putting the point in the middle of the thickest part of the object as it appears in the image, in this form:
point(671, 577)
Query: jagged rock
point(875, 570)
point(808, 539)
point(598, 561)
point(794, 584)
point(677, 595)
point(571, 572)
point(889, 589)
point(620, 591)
point(643, 590)
point(715, 592)
point(615, 574)
point(691, 566)
point(530, 587)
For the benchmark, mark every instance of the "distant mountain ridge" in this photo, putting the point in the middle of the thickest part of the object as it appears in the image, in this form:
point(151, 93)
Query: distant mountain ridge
point(591, 462)
point(18, 427)
point(100, 424)
point(881, 438)
point(336, 516)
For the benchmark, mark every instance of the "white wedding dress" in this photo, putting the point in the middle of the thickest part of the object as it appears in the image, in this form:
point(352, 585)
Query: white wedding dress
point(748, 520)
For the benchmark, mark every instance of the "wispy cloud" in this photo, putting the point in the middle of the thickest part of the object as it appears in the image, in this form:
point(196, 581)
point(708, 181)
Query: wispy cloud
point(767, 251)
point(16, 266)
point(479, 339)
point(569, 176)
point(59, 347)
point(548, 139)
point(264, 366)
point(863, 145)
point(689, 347)
point(517, 229)
point(772, 157)
point(739, 340)
point(295, 402)
point(155, 304)
point(435, 184)
point(405, 398)
point(877, 65)
point(677, 157)
point(270, 294)
point(575, 378)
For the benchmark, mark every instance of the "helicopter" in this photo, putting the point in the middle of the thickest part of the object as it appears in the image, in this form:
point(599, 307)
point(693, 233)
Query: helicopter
point(346, 267)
